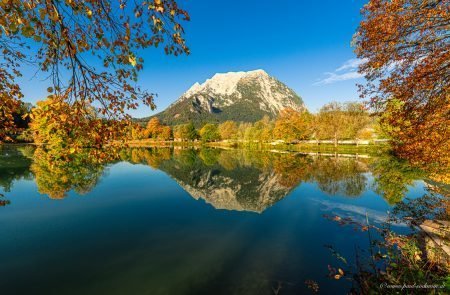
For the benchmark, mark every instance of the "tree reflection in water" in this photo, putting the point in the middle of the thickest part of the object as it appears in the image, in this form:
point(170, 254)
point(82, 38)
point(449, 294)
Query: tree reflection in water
point(254, 180)
point(14, 165)
point(81, 172)
point(229, 179)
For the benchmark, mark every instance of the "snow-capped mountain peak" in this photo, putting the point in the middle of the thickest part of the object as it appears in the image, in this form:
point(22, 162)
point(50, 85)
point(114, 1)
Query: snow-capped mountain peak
point(239, 96)
point(224, 83)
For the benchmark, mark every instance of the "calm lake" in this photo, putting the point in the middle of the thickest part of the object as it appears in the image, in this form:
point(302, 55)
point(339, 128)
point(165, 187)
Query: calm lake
point(185, 221)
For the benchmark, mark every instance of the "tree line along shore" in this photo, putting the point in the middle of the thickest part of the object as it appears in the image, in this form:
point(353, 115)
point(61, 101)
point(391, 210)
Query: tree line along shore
point(335, 124)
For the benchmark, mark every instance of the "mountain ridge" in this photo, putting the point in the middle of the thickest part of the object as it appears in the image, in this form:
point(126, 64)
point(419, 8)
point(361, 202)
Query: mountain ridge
point(237, 96)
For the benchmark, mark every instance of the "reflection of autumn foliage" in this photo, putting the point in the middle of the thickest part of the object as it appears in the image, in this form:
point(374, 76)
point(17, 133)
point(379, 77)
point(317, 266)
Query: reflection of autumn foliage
point(443, 177)
point(150, 156)
point(393, 176)
point(209, 156)
point(55, 177)
point(339, 175)
point(228, 161)
point(333, 174)
point(292, 169)
point(3, 201)
point(14, 165)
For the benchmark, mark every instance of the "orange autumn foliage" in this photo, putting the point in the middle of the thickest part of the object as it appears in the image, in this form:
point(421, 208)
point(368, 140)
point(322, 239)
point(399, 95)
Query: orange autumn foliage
point(405, 48)
point(87, 49)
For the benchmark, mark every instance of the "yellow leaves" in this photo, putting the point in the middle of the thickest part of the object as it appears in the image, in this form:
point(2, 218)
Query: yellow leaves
point(339, 275)
point(157, 22)
point(63, 117)
point(4, 30)
point(69, 28)
point(417, 256)
point(82, 44)
point(132, 60)
point(157, 6)
point(42, 13)
point(28, 31)
point(88, 12)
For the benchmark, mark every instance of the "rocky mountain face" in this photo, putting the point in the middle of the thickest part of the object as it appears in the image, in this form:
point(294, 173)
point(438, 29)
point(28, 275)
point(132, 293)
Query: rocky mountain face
point(226, 182)
point(237, 96)
point(229, 193)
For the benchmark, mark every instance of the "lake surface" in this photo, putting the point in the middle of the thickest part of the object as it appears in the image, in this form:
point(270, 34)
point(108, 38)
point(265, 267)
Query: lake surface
point(185, 221)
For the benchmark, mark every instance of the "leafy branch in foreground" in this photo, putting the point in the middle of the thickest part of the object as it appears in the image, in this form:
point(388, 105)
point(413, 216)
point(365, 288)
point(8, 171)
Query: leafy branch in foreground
point(405, 49)
point(88, 48)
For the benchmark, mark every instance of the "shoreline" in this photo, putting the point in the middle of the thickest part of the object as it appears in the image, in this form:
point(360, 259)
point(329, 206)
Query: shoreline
point(297, 147)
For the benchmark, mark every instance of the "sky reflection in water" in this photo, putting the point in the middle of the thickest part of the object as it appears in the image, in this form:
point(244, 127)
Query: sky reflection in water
point(164, 221)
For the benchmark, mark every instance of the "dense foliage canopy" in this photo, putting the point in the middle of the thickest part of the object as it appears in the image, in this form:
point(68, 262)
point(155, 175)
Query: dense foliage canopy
point(405, 47)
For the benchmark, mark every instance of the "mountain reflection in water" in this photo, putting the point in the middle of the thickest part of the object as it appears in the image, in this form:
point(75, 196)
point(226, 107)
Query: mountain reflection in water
point(123, 222)
point(242, 180)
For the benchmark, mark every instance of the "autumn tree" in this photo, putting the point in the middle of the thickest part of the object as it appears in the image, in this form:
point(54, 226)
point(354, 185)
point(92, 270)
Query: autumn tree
point(228, 130)
point(137, 132)
point(262, 130)
point(10, 96)
point(405, 49)
point(165, 133)
point(185, 132)
point(357, 121)
point(156, 130)
point(54, 126)
point(292, 125)
point(57, 127)
point(330, 122)
point(153, 128)
point(88, 49)
point(244, 130)
point(209, 132)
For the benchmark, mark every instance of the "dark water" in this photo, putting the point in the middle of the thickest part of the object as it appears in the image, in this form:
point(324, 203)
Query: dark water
point(162, 221)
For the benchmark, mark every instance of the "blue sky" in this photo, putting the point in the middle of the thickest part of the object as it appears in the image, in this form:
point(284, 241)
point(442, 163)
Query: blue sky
point(305, 44)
